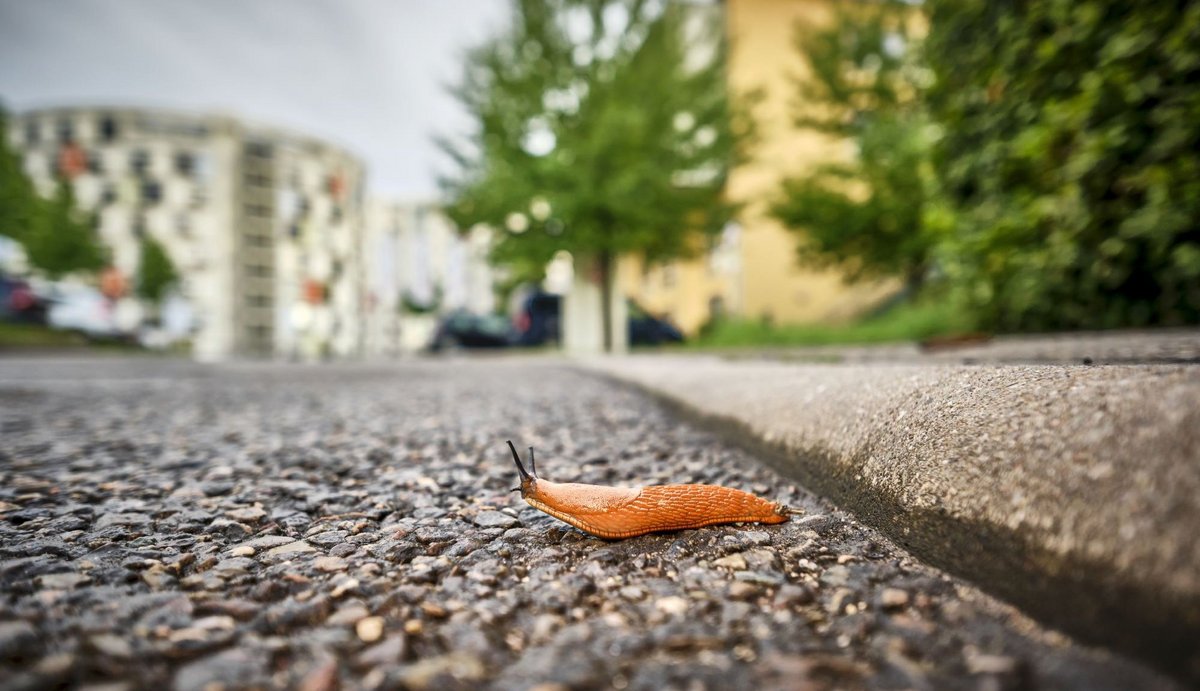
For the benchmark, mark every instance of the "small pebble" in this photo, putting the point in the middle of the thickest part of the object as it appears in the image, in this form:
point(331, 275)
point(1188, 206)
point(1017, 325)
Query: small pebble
point(982, 663)
point(330, 564)
point(495, 519)
point(893, 598)
point(112, 646)
point(673, 605)
point(733, 561)
point(369, 629)
point(741, 590)
point(297, 547)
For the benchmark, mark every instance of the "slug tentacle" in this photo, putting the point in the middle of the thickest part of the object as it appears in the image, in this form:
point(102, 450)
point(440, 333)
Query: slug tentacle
point(620, 512)
point(520, 468)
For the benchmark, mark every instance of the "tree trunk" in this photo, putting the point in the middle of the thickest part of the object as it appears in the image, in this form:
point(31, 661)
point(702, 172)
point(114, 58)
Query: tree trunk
point(914, 278)
point(605, 262)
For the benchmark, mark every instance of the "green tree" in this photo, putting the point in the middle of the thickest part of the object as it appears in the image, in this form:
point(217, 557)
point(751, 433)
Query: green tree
point(867, 216)
point(1072, 156)
point(601, 127)
point(56, 238)
point(59, 241)
point(18, 203)
point(156, 272)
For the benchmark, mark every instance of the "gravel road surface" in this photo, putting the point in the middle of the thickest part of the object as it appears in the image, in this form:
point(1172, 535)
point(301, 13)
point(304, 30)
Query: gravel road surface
point(166, 525)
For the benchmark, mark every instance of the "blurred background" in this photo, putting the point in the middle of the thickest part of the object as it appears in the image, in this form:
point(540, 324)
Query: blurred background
point(368, 179)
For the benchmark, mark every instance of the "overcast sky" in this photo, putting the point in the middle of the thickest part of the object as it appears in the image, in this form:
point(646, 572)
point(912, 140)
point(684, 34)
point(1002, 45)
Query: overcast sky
point(366, 74)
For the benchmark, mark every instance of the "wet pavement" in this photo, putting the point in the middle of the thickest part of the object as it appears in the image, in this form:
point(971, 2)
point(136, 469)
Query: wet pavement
point(173, 525)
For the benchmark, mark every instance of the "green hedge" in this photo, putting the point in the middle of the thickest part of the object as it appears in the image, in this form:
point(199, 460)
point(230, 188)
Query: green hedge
point(1070, 154)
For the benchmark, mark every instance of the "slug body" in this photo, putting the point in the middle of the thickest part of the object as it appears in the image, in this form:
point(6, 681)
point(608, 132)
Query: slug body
point(621, 512)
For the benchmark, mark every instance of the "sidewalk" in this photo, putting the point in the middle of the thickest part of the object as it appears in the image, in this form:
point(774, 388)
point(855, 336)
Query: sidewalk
point(1072, 491)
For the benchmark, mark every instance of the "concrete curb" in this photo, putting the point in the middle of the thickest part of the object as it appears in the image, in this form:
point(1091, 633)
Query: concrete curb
point(1072, 491)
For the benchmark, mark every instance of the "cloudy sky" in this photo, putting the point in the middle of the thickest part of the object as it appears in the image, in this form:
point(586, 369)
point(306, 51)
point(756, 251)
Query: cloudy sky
point(366, 74)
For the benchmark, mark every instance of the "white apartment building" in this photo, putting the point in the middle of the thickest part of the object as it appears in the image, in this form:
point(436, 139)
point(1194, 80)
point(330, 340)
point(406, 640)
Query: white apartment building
point(264, 226)
point(414, 258)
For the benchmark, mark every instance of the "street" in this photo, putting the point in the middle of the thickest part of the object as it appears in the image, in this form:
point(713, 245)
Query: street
point(167, 524)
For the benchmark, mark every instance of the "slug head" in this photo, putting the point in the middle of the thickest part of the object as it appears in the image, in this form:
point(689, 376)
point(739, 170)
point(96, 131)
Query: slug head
point(528, 479)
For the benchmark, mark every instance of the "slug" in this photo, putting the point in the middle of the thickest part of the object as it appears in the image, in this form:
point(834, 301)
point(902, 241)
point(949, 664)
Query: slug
point(615, 513)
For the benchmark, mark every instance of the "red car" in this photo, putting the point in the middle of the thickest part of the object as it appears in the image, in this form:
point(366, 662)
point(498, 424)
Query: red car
point(19, 302)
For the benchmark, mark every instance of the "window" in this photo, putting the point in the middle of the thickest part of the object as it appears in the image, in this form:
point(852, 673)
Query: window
point(108, 129)
point(151, 192)
point(95, 163)
point(258, 149)
point(139, 161)
point(202, 166)
point(109, 195)
point(258, 270)
point(66, 132)
point(257, 180)
point(33, 133)
point(258, 301)
point(185, 163)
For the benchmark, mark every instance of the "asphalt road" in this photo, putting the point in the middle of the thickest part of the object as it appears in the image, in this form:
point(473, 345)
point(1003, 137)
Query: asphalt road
point(171, 525)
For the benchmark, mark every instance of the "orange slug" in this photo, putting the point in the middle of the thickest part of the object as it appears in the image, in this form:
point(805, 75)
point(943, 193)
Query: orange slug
point(619, 512)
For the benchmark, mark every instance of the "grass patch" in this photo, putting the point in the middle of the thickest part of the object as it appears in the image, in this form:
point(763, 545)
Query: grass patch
point(15, 336)
point(37, 336)
point(912, 321)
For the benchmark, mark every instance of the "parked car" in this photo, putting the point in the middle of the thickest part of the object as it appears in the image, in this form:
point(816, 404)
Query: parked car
point(83, 309)
point(538, 322)
point(19, 302)
point(646, 329)
point(462, 329)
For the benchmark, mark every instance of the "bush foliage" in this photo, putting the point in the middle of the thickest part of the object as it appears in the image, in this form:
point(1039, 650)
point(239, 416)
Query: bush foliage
point(1040, 159)
point(1071, 157)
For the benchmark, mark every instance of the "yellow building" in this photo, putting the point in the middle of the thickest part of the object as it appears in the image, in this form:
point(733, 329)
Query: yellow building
point(688, 292)
point(755, 274)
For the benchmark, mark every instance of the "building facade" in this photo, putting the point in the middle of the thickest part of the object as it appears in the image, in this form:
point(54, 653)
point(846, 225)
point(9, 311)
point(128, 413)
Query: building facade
point(763, 58)
point(264, 226)
point(689, 292)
